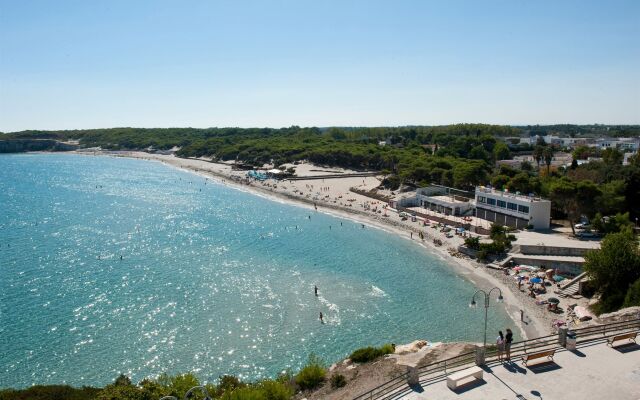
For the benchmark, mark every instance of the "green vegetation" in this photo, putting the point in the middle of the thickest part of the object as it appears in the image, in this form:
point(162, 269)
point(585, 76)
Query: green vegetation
point(460, 155)
point(50, 392)
point(338, 381)
point(500, 242)
point(613, 270)
point(229, 388)
point(312, 374)
point(367, 354)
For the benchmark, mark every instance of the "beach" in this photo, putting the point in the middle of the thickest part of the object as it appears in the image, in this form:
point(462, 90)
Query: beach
point(333, 196)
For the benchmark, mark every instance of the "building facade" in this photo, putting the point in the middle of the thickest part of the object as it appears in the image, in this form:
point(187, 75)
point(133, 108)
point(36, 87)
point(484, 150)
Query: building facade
point(511, 209)
point(439, 198)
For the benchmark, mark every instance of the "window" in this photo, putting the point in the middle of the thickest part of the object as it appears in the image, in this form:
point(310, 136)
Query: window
point(491, 202)
point(502, 203)
point(512, 206)
point(482, 199)
point(523, 209)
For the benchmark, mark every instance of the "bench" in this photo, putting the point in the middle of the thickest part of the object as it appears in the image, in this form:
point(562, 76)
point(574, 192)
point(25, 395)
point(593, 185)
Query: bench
point(454, 379)
point(528, 357)
point(631, 336)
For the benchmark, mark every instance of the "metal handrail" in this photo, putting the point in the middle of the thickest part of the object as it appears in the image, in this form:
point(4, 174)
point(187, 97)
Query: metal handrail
point(449, 365)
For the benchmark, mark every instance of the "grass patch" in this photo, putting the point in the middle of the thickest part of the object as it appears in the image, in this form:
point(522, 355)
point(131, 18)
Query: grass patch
point(312, 375)
point(367, 354)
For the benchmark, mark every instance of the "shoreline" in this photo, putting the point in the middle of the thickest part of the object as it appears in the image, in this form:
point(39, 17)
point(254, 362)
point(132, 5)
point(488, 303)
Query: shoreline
point(465, 267)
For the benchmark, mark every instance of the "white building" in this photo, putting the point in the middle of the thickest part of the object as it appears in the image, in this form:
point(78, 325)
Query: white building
point(439, 198)
point(511, 209)
point(624, 144)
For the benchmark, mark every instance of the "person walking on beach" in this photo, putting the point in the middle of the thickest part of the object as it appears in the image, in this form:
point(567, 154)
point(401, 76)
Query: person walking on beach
point(507, 344)
point(315, 289)
point(500, 345)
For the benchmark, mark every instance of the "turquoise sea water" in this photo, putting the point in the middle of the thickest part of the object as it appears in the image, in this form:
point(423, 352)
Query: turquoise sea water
point(212, 279)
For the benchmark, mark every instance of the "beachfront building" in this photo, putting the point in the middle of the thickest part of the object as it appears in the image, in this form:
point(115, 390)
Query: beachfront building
point(445, 200)
point(512, 209)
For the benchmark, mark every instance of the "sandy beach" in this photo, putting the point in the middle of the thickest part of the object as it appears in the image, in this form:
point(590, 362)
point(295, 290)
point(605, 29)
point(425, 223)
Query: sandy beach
point(333, 196)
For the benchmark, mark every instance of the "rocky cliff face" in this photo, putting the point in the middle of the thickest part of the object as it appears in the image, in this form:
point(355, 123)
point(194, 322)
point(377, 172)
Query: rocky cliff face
point(24, 145)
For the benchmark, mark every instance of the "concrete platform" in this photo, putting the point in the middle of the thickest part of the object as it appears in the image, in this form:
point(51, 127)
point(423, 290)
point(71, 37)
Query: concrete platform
point(592, 372)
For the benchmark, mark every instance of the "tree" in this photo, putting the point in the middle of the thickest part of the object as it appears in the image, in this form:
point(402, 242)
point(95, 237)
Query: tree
point(538, 154)
point(526, 166)
point(500, 181)
point(501, 151)
point(547, 153)
point(613, 268)
point(520, 183)
point(633, 295)
point(587, 194)
point(563, 196)
point(612, 156)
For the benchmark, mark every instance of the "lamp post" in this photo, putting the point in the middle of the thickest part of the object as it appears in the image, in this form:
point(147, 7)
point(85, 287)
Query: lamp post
point(473, 304)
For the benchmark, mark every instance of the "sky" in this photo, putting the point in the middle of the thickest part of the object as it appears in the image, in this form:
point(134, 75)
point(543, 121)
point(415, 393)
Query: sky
point(274, 63)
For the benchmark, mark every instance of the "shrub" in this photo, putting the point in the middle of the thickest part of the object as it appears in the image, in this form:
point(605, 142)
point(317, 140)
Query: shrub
point(338, 381)
point(274, 390)
point(472, 242)
point(367, 354)
point(633, 295)
point(312, 375)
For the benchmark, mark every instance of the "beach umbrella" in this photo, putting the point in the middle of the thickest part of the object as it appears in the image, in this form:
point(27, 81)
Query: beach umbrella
point(553, 300)
point(541, 274)
point(535, 280)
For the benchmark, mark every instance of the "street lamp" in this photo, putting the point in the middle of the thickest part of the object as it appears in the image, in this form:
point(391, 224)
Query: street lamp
point(473, 304)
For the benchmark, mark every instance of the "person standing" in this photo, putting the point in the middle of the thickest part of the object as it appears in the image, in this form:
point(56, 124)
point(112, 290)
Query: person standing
point(321, 320)
point(315, 289)
point(500, 345)
point(507, 345)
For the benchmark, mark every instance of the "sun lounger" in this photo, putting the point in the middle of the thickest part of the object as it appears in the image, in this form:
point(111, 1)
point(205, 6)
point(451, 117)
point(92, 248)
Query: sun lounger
point(528, 357)
point(454, 379)
point(631, 336)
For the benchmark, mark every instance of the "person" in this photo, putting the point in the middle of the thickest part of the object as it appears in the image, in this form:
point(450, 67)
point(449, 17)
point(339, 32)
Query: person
point(500, 345)
point(507, 345)
point(522, 315)
point(315, 289)
point(321, 320)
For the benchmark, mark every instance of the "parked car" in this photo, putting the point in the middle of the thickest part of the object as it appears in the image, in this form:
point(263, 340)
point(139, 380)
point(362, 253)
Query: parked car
point(586, 234)
point(582, 226)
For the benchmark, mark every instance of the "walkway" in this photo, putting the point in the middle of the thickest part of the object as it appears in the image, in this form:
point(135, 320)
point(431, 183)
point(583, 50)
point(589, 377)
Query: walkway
point(594, 371)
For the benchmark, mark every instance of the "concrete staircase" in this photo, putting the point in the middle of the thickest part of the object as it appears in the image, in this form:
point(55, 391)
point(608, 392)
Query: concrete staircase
point(571, 288)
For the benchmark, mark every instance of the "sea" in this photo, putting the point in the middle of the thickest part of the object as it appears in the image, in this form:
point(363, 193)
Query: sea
point(115, 265)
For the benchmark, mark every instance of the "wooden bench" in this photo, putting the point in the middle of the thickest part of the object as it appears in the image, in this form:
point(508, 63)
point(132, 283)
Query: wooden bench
point(454, 379)
point(631, 336)
point(528, 357)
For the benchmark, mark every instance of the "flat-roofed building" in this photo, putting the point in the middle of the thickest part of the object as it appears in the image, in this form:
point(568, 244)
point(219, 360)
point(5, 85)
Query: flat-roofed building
point(512, 209)
point(438, 198)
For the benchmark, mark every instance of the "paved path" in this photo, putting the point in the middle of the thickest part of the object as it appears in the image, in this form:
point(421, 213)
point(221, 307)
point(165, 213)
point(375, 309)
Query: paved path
point(592, 372)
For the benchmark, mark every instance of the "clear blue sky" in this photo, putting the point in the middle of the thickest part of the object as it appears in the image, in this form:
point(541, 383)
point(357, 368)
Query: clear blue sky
point(91, 64)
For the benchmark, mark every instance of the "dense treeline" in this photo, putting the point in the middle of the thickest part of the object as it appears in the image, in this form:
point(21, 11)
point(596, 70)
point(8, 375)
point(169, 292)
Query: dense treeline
point(462, 156)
